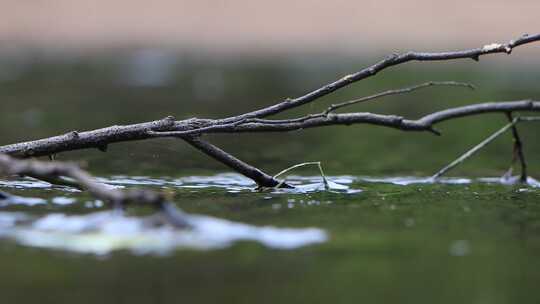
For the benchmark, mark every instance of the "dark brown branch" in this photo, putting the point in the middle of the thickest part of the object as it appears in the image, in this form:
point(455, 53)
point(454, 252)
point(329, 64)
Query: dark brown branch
point(389, 61)
point(518, 150)
point(114, 196)
point(262, 179)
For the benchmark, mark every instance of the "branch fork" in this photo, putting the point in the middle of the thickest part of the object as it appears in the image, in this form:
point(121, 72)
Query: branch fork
point(191, 130)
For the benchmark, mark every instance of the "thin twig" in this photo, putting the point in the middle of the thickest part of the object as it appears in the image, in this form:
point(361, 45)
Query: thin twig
point(472, 151)
point(390, 61)
point(481, 145)
point(397, 92)
point(323, 176)
point(424, 123)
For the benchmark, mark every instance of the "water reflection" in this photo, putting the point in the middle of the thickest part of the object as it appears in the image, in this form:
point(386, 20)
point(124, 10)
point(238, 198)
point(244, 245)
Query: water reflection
point(9, 199)
point(235, 183)
point(103, 232)
point(411, 180)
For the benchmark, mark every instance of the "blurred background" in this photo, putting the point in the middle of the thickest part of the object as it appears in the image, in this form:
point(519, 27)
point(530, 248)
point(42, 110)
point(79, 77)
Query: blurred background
point(78, 65)
point(261, 27)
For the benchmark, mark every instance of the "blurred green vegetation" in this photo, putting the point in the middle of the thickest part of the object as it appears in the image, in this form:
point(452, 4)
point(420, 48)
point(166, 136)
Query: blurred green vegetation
point(409, 244)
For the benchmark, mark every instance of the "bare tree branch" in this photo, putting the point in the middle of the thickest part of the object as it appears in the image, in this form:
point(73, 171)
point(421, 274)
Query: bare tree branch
point(473, 150)
point(191, 129)
point(187, 128)
point(114, 196)
point(334, 107)
point(262, 179)
point(425, 123)
point(483, 144)
point(392, 60)
point(98, 139)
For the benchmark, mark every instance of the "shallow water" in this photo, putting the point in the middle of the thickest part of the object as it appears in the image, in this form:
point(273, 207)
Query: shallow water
point(382, 233)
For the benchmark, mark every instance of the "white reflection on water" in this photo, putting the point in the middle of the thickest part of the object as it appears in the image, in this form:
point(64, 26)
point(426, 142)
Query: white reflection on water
point(8, 199)
point(235, 183)
point(103, 232)
point(510, 181)
point(411, 180)
point(26, 183)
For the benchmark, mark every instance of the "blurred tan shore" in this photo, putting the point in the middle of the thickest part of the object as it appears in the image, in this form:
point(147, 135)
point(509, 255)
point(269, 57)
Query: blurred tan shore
point(264, 27)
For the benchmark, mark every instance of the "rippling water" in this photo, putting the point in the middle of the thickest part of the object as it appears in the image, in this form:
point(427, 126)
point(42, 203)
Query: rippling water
point(102, 232)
